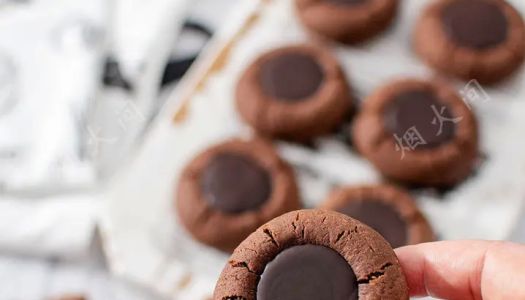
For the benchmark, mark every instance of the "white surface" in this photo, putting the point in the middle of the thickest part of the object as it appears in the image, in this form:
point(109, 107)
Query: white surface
point(63, 226)
point(47, 45)
point(59, 226)
point(25, 278)
point(140, 214)
point(137, 27)
point(57, 51)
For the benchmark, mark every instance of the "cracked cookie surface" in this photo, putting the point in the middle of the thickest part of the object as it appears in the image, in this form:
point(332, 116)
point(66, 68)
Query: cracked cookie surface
point(370, 267)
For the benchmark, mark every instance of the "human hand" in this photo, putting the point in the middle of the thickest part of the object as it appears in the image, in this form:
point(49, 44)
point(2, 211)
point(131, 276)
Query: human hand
point(465, 269)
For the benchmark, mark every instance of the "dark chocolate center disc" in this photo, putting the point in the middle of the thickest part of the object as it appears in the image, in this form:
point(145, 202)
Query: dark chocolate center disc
point(308, 272)
point(419, 120)
point(381, 217)
point(475, 23)
point(290, 76)
point(346, 2)
point(234, 183)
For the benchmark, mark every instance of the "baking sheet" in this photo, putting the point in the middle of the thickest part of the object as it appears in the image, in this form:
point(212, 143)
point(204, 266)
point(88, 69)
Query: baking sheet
point(145, 243)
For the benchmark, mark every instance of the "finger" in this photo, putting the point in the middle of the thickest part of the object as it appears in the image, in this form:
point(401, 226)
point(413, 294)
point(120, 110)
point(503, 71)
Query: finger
point(465, 269)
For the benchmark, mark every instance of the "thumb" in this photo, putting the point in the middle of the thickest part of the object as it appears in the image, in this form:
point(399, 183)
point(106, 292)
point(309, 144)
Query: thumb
point(465, 269)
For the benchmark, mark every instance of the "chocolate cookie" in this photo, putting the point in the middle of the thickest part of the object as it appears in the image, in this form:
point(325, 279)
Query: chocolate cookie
point(230, 189)
point(418, 132)
point(481, 39)
point(312, 254)
point(390, 211)
point(346, 21)
point(294, 93)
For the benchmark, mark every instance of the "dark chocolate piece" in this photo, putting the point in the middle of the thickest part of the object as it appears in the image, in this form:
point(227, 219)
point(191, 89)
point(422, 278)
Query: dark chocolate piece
point(476, 24)
point(233, 183)
point(308, 272)
point(382, 217)
point(420, 109)
point(290, 76)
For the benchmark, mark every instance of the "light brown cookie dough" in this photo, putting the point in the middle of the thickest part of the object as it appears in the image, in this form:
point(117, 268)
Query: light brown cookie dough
point(230, 189)
point(294, 93)
point(312, 254)
point(418, 132)
point(389, 210)
point(346, 21)
point(482, 39)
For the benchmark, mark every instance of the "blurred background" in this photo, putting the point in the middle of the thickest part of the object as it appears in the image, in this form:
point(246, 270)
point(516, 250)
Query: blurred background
point(80, 84)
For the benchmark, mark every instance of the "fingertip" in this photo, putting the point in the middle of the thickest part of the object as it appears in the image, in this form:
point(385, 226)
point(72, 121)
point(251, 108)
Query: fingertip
point(448, 270)
point(410, 261)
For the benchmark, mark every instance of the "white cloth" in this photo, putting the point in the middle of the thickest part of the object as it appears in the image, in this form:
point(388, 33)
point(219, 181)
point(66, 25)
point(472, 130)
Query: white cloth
point(52, 52)
point(56, 226)
point(51, 57)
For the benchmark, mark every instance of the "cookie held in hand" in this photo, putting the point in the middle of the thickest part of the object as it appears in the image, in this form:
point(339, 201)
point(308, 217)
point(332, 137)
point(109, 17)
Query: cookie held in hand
point(312, 254)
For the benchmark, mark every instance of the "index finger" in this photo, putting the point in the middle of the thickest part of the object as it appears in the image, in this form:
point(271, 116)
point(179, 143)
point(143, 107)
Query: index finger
point(465, 269)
